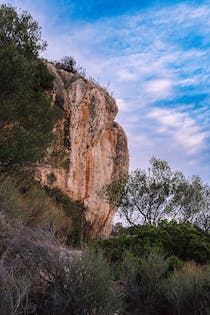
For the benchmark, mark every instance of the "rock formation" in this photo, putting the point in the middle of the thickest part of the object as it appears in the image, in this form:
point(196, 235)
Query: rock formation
point(90, 148)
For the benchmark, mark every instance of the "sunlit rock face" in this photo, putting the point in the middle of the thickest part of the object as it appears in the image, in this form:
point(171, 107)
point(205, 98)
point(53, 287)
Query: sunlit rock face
point(90, 148)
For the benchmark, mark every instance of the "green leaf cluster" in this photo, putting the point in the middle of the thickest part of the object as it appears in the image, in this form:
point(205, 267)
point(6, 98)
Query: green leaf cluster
point(159, 194)
point(27, 116)
point(181, 240)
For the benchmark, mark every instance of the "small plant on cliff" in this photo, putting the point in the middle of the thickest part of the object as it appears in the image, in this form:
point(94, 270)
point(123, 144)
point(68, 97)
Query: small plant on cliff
point(67, 63)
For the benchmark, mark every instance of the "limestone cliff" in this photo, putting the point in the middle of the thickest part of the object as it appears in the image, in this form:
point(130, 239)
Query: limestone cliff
point(90, 148)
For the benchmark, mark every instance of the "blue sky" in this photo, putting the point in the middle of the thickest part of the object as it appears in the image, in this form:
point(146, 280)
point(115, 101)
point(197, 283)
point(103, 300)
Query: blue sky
point(154, 56)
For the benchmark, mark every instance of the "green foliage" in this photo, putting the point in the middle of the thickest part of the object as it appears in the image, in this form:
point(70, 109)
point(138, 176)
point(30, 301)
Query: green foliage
point(39, 277)
point(83, 287)
point(44, 207)
point(33, 206)
point(150, 287)
point(78, 231)
point(149, 197)
point(187, 291)
point(11, 200)
point(142, 283)
point(20, 31)
point(27, 117)
point(43, 210)
point(69, 64)
point(182, 240)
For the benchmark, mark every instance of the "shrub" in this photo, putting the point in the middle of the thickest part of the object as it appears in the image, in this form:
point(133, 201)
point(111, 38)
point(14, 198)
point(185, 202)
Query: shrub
point(13, 292)
point(142, 282)
point(44, 207)
point(83, 286)
point(33, 206)
point(11, 200)
point(187, 291)
point(67, 63)
point(43, 210)
point(77, 232)
point(51, 279)
point(182, 240)
point(25, 255)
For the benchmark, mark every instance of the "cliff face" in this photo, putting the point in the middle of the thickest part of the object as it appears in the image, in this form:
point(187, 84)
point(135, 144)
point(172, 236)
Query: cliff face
point(90, 148)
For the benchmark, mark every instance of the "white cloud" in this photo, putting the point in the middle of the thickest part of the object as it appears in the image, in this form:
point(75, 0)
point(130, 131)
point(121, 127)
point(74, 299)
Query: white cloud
point(126, 75)
point(181, 128)
point(161, 88)
point(130, 105)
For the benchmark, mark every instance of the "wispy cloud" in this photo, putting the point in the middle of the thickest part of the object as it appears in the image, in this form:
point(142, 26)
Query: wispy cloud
point(159, 88)
point(181, 128)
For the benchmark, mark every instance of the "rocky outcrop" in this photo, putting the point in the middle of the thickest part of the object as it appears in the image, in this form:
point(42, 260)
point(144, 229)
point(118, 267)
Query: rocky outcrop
point(90, 148)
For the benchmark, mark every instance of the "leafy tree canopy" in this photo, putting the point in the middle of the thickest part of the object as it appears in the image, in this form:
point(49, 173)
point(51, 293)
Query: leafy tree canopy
point(149, 197)
point(21, 31)
point(26, 114)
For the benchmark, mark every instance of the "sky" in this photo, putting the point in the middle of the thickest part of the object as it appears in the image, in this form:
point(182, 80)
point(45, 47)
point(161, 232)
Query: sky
point(153, 57)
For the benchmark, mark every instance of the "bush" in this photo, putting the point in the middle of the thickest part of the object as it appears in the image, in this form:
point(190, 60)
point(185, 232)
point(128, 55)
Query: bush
point(78, 231)
point(43, 210)
point(187, 291)
point(13, 291)
point(33, 206)
point(11, 200)
point(182, 240)
point(81, 286)
point(142, 282)
point(25, 256)
point(37, 276)
point(67, 63)
point(44, 207)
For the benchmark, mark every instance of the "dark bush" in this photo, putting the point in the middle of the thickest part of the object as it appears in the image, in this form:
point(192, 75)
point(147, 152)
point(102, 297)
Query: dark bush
point(83, 286)
point(27, 258)
point(14, 290)
point(141, 283)
point(67, 63)
point(27, 117)
point(182, 240)
point(187, 291)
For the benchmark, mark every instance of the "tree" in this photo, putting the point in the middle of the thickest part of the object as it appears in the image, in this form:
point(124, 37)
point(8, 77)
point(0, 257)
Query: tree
point(149, 197)
point(202, 218)
point(27, 117)
point(21, 31)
